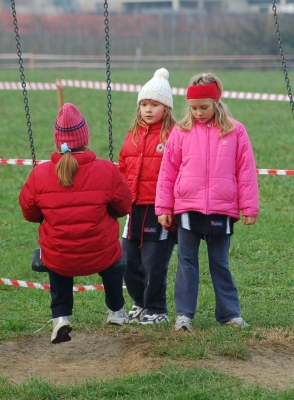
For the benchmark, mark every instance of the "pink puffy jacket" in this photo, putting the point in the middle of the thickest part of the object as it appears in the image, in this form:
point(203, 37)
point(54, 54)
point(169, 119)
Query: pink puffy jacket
point(202, 172)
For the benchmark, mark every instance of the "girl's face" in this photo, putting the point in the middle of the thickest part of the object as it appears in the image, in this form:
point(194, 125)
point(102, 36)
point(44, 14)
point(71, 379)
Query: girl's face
point(151, 111)
point(202, 109)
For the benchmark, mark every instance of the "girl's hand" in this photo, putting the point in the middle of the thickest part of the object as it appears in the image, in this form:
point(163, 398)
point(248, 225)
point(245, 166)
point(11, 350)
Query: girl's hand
point(248, 220)
point(165, 220)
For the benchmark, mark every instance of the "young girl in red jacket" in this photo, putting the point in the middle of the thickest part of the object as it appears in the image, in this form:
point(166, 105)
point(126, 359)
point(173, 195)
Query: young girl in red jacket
point(148, 245)
point(78, 198)
point(207, 177)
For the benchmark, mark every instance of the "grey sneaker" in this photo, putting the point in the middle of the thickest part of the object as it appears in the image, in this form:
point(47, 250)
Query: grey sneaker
point(183, 323)
point(61, 330)
point(119, 317)
point(150, 319)
point(237, 322)
point(136, 314)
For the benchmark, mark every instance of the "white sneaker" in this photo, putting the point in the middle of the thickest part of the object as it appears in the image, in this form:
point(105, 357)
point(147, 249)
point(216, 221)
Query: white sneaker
point(136, 314)
point(119, 317)
point(183, 323)
point(61, 330)
point(150, 319)
point(237, 322)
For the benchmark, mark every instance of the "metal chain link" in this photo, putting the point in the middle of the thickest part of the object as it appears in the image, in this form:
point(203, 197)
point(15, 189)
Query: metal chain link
point(106, 22)
point(274, 8)
point(23, 84)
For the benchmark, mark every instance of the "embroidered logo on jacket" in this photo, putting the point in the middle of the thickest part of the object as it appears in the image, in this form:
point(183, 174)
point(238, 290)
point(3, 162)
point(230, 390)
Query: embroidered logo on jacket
point(224, 142)
point(216, 223)
point(150, 230)
point(160, 148)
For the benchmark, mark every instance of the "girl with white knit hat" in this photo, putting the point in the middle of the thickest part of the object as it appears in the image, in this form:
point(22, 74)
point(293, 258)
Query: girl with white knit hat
point(148, 245)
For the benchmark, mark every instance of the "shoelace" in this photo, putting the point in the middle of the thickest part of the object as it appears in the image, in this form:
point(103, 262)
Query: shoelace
point(38, 330)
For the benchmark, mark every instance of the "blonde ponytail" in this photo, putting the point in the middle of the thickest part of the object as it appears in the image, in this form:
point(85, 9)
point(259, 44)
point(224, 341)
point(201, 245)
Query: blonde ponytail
point(67, 166)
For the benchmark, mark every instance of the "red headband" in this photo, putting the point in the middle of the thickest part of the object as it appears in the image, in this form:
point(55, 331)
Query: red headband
point(209, 91)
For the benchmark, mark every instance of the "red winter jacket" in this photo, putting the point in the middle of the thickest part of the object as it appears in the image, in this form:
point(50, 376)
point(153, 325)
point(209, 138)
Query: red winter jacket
point(78, 235)
point(140, 163)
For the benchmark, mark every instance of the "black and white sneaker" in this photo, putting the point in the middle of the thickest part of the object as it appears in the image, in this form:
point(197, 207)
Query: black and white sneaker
point(136, 314)
point(150, 319)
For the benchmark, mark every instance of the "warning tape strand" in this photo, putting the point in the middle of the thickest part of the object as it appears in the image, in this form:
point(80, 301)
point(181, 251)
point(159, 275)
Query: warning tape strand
point(45, 286)
point(129, 87)
point(259, 171)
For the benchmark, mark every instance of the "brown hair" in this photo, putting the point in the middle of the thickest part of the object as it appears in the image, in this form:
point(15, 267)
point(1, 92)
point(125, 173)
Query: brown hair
point(221, 111)
point(167, 121)
point(67, 166)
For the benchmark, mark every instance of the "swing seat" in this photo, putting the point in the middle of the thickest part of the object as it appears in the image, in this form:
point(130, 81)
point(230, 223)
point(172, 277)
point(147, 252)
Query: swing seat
point(37, 265)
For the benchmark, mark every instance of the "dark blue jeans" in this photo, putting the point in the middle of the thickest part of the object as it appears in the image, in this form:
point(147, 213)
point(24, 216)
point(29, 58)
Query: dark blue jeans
point(61, 289)
point(146, 274)
point(187, 279)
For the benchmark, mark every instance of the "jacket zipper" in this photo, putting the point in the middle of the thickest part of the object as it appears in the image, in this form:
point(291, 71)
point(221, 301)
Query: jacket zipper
point(207, 167)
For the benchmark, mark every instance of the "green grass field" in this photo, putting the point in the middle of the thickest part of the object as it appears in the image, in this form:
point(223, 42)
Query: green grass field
point(261, 256)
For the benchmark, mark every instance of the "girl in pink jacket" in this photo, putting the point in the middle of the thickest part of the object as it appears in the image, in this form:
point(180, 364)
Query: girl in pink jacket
point(207, 177)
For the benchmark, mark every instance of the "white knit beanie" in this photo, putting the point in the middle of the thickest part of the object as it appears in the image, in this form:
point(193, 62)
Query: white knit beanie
point(157, 89)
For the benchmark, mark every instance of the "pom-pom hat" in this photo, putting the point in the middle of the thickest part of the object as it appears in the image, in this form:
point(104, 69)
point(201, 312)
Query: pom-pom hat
point(70, 127)
point(157, 89)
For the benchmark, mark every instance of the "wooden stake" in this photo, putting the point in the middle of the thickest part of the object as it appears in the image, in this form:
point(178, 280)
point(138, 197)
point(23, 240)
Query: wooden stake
point(59, 93)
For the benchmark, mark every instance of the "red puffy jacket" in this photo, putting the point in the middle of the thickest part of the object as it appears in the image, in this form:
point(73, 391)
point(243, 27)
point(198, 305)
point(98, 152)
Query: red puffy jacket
point(140, 163)
point(79, 236)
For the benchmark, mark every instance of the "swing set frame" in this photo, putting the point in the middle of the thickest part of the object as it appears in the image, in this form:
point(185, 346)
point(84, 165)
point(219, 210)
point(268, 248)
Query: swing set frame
point(25, 93)
point(37, 264)
point(108, 74)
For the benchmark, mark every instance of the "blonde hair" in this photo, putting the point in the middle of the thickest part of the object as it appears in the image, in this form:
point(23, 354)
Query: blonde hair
point(167, 121)
point(67, 166)
point(222, 113)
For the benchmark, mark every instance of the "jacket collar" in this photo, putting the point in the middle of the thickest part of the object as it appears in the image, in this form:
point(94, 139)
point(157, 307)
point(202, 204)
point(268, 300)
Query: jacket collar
point(82, 158)
point(151, 128)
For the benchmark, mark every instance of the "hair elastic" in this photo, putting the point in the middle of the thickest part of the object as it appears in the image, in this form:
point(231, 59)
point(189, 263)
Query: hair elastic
point(64, 148)
point(209, 91)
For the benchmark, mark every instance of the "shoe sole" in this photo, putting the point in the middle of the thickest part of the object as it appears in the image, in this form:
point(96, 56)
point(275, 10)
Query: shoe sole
point(62, 335)
point(117, 322)
point(133, 321)
point(184, 328)
point(153, 322)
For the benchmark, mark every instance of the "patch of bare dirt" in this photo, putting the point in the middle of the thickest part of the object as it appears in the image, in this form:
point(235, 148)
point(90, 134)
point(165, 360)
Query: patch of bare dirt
point(96, 355)
point(265, 366)
point(87, 356)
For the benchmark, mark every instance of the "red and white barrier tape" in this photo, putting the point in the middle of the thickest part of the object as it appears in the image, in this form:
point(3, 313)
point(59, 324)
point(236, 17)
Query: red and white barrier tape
point(29, 86)
point(262, 171)
point(126, 87)
point(259, 171)
point(44, 286)
point(16, 161)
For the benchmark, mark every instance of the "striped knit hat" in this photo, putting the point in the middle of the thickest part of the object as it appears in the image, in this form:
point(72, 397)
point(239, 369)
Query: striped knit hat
point(70, 127)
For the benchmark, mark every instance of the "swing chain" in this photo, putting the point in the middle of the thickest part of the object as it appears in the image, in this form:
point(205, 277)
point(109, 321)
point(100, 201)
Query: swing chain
point(274, 8)
point(106, 22)
point(21, 70)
